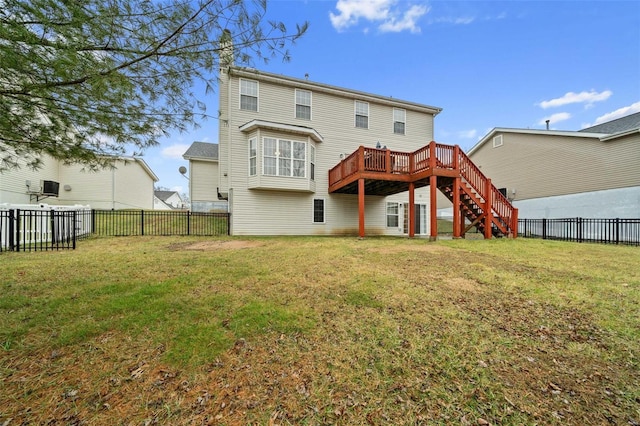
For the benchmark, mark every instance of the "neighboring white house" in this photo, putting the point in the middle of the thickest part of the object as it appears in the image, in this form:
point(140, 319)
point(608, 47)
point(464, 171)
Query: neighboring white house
point(204, 177)
point(279, 137)
point(128, 185)
point(167, 200)
point(591, 173)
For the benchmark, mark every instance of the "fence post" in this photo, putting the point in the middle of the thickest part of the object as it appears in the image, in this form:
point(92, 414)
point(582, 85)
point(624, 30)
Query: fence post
point(52, 227)
point(73, 229)
point(188, 222)
point(228, 223)
point(579, 228)
point(617, 230)
point(544, 228)
point(141, 222)
point(12, 229)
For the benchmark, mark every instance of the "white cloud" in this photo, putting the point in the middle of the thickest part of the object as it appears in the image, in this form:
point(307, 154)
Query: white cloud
point(408, 21)
point(621, 112)
point(577, 98)
point(467, 134)
point(388, 13)
point(464, 20)
point(175, 151)
point(555, 118)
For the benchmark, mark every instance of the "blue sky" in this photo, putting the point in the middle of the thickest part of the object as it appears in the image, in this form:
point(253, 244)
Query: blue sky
point(486, 63)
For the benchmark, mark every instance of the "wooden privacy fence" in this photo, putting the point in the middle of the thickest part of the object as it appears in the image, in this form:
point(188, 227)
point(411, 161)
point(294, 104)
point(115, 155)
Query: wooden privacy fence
point(578, 229)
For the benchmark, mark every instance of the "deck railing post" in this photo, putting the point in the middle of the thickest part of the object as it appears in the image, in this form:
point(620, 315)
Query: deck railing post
point(387, 160)
point(432, 155)
point(488, 209)
point(361, 158)
point(514, 223)
point(456, 158)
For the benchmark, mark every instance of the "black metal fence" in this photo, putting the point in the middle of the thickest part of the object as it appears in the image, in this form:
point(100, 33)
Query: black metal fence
point(38, 230)
point(578, 229)
point(41, 230)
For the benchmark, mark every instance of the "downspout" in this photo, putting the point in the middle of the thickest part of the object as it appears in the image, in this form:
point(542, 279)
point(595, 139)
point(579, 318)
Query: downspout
point(113, 188)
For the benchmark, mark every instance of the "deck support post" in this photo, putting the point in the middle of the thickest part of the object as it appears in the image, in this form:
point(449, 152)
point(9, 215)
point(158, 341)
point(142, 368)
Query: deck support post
point(488, 215)
point(361, 208)
point(412, 210)
point(456, 208)
point(433, 207)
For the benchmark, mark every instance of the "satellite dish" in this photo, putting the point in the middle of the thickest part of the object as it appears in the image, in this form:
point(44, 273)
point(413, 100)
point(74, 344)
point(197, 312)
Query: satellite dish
point(182, 170)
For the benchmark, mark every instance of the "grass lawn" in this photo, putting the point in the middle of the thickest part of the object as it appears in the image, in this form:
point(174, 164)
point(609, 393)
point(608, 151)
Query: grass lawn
point(187, 330)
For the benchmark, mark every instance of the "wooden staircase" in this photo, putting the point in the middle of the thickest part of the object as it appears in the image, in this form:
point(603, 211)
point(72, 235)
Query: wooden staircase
point(476, 201)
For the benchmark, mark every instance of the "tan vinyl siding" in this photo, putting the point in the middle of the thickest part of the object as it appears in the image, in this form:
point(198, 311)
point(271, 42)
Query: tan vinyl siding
point(547, 165)
point(128, 186)
point(13, 187)
point(204, 180)
point(262, 211)
point(134, 187)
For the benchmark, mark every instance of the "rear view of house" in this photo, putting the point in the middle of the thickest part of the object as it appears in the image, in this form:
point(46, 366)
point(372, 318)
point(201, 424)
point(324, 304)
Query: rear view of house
point(279, 137)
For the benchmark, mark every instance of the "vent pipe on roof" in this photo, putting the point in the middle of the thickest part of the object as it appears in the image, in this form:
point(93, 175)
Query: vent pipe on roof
point(547, 121)
point(225, 49)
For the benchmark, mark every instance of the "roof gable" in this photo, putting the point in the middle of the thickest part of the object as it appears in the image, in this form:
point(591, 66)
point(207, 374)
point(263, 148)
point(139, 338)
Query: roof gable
point(623, 124)
point(202, 151)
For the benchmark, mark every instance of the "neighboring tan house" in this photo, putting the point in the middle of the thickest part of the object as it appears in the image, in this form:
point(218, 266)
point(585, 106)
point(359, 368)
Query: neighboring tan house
point(279, 137)
point(591, 173)
point(167, 200)
point(204, 177)
point(128, 185)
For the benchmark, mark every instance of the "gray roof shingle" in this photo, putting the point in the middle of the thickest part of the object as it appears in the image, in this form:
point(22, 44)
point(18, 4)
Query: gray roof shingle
point(629, 122)
point(202, 150)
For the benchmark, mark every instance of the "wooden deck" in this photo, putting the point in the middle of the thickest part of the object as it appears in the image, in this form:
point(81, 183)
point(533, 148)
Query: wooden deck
point(383, 172)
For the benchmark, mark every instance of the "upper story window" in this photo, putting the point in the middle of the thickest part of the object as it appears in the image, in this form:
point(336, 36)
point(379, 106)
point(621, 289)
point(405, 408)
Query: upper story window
point(399, 121)
point(248, 95)
point(284, 158)
point(497, 141)
point(253, 154)
point(312, 162)
point(303, 104)
point(362, 114)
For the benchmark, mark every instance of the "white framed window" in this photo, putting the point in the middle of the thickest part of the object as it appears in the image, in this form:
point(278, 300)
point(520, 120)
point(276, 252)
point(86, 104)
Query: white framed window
point(248, 95)
point(399, 121)
point(362, 114)
point(318, 210)
point(497, 141)
point(303, 104)
point(282, 157)
point(392, 215)
point(253, 154)
point(312, 162)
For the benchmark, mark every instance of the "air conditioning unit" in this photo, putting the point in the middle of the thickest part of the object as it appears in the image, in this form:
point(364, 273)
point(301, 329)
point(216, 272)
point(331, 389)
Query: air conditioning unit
point(49, 188)
point(509, 193)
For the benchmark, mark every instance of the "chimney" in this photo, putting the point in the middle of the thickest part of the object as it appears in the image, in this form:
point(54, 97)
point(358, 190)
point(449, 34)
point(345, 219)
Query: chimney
point(225, 49)
point(547, 121)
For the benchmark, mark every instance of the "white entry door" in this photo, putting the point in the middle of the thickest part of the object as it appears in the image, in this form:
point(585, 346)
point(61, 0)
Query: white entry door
point(421, 219)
